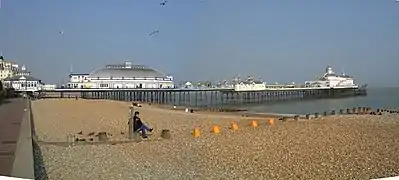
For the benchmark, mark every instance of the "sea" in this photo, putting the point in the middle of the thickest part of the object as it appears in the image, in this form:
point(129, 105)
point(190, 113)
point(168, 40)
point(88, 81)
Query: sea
point(382, 98)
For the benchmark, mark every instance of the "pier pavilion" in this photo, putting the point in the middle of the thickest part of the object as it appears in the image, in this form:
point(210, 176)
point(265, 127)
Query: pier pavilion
point(121, 76)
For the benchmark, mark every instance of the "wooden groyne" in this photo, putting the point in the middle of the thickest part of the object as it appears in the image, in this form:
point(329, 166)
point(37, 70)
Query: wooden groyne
point(204, 98)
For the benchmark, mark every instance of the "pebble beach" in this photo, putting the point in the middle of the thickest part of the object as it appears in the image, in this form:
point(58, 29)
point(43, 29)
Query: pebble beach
point(332, 147)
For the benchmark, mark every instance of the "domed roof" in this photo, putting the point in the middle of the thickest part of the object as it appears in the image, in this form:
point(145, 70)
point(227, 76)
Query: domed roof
point(126, 71)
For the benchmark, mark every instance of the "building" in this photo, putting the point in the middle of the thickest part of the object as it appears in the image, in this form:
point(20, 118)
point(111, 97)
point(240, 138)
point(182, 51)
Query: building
point(48, 86)
point(330, 79)
point(7, 68)
point(250, 86)
point(22, 71)
point(17, 78)
point(188, 85)
point(23, 83)
point(78, 81)
point(123, 76)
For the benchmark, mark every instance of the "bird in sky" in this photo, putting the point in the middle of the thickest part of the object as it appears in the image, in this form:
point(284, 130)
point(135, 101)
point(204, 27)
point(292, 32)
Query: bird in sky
point(154, 32)
point(61, 32)
point(163, 3)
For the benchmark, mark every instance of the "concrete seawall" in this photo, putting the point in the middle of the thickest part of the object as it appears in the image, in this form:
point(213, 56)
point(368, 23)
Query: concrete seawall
point(23, 166)
point(16, 151)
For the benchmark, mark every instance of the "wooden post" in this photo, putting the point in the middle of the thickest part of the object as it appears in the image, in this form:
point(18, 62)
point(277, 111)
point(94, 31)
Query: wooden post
point(102, 136)
point(131, 122)
point(333, 112)
point(166, 134)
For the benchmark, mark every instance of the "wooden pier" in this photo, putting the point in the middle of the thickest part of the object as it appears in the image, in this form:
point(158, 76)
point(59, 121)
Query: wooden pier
point(201, 98)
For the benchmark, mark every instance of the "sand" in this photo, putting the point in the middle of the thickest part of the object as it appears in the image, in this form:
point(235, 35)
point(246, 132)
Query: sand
point(334, 147)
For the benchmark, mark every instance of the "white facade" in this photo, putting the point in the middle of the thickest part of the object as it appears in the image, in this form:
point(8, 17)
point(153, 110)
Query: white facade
point(23, 83)
point(125, 76)
point(78, 81)
point(7, 68)
point(22, 71)
point(330, 79)
point(127, 83)
point(188, 85)
point(5, 73)
point(250, 86)
point(49, 87)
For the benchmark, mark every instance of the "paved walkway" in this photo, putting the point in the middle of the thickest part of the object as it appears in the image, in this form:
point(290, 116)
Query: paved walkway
point(11, 115)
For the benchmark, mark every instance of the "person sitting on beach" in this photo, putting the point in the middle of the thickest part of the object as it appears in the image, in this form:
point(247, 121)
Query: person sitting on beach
point(140, 126)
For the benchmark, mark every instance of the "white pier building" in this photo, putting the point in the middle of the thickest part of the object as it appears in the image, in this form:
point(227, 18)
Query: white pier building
point(332, 80)
point(329, 80)
point(122, 76)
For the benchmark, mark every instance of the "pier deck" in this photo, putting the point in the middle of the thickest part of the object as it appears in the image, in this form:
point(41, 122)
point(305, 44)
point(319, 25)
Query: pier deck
point(202, 98)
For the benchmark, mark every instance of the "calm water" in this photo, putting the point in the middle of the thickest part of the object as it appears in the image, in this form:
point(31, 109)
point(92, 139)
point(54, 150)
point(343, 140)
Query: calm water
point(387, 98)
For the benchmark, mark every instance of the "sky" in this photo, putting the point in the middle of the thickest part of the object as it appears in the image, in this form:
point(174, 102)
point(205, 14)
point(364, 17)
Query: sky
point(277, 40)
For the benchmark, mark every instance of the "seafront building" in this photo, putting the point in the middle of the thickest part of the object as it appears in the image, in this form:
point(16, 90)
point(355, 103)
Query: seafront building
point(7, 68)
point(17, 78)
point(23, 83)
point(330, 79)
point(121, 76)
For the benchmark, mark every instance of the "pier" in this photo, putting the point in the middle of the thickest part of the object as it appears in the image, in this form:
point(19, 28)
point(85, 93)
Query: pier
point(202, 98)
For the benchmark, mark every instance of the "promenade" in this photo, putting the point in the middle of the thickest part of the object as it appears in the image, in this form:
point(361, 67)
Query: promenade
point(11, 115)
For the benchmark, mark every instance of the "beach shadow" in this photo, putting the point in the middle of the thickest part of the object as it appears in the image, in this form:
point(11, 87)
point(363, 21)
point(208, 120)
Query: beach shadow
point(40, 168)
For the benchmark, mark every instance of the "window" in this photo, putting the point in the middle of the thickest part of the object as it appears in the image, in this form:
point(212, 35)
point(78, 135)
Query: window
point(103, 85)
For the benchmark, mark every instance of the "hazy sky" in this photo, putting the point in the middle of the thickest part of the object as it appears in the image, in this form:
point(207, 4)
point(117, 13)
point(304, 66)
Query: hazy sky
point(278, 40)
